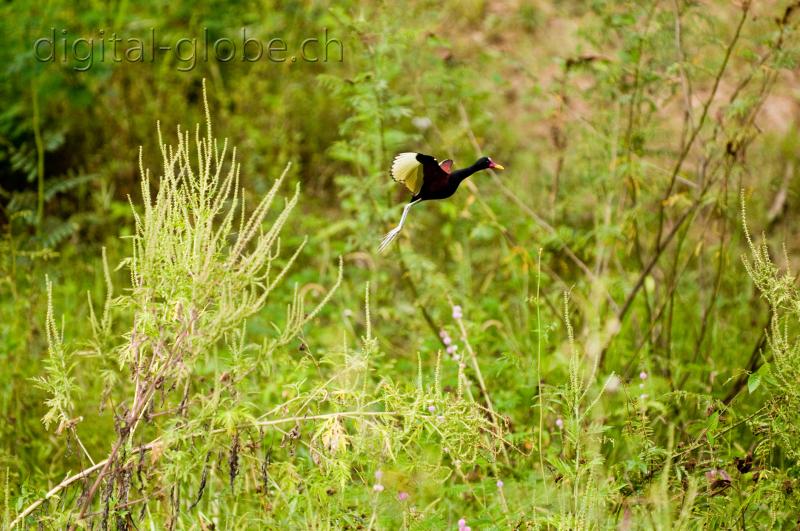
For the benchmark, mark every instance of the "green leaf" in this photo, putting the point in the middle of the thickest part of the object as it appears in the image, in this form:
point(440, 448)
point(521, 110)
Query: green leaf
point(711, 427)
point(753, 381)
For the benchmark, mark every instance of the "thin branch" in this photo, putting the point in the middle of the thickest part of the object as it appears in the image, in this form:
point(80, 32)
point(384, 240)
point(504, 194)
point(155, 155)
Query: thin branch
point(696, 131)
point(350, 414)
point(133, 419)
point(406, 275)
point(644, 274)
point(69, 481)
point(752, 364)
point(528, 210)
point(685, 80)
point(149, 446)
point(482, 384)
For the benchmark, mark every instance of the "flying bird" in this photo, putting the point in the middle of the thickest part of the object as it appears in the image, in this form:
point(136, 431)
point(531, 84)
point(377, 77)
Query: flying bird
point(426, 179)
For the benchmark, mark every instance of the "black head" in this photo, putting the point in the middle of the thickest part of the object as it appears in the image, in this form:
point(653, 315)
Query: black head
point(484, 163)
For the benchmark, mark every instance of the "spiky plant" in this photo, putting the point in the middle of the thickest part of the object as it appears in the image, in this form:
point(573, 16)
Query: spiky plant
point(202, 263)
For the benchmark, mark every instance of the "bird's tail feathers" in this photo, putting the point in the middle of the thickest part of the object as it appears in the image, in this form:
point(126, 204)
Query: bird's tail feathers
point(388, 239)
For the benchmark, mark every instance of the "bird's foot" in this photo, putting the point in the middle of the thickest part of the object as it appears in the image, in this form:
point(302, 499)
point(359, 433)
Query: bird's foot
point(390, 236)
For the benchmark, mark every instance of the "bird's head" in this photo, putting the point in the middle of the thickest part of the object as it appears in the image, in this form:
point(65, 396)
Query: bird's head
point(486, 163)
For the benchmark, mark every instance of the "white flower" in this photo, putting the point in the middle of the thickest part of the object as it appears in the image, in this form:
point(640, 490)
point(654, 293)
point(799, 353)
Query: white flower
point(613, 383)
point(421, 122)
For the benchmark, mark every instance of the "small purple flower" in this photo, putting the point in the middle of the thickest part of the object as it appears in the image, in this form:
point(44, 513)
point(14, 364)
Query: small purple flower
point(431, 408)
point(440, 418)
point(560, 423)
point(378, 488)
point(446, 340)
point(462, 523)
point(443, 333)
point(378, 474)
point(643, 375)
point(457, 314)
point(402, 496)
point(452, 349)
point(500, 484)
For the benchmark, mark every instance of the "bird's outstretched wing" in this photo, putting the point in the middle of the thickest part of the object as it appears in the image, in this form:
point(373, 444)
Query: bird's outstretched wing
point(415, 169)
point(407, 169)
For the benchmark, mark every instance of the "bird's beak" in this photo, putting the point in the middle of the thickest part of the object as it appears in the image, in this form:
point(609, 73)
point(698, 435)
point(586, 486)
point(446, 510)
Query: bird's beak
point(496, 166)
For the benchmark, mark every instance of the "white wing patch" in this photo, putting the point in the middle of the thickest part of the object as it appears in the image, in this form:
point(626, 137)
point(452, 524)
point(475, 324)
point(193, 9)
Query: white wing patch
point(407, 169)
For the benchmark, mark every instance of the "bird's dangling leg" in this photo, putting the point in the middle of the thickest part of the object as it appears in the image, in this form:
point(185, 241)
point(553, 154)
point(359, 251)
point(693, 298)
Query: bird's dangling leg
point(392, 234)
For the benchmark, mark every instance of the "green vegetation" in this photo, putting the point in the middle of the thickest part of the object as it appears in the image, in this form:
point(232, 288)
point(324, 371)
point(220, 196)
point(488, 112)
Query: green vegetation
point(198, 333)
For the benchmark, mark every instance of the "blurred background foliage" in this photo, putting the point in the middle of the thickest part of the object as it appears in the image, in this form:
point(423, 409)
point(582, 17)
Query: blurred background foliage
point(628, 130)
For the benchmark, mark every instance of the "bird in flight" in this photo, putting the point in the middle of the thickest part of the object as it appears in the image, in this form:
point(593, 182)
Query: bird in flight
point(426, 179)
